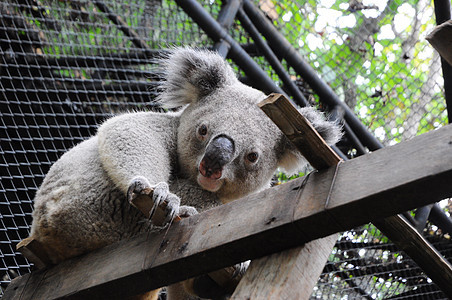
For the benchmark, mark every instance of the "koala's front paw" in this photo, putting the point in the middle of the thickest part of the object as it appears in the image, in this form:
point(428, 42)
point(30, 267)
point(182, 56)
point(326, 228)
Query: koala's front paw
point(187, 211)
point(154, 201)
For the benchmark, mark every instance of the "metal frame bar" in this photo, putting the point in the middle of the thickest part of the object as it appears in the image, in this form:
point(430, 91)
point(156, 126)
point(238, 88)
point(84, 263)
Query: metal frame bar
point(440, 219)
point(272, 59)
point(226, 18)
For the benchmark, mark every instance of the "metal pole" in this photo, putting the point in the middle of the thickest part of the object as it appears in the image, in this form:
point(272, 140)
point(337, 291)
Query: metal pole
point(272, 59)
point(440, 219)
point(421, 217)
point(226, 18)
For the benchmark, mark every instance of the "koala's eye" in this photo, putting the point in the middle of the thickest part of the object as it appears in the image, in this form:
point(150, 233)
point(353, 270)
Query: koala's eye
point(202, 130)
point(252, 157)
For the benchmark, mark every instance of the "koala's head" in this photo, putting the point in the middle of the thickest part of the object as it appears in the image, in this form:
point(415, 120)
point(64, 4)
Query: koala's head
point(225, 142)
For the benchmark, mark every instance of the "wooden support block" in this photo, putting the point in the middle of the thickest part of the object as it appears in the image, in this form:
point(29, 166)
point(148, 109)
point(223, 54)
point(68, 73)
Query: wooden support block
point(34, 252)
point(288, 274)
point(299, 131)
point(291, 274)
point(441, 40)
point(144, 203)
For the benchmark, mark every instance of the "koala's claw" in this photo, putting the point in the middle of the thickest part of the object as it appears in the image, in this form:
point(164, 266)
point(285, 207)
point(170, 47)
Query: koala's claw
point(160, 193)
point(140, 192)
point(172, 207)
point(138, 186)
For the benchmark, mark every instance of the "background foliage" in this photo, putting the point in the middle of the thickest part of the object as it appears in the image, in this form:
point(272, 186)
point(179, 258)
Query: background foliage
point(375, 56)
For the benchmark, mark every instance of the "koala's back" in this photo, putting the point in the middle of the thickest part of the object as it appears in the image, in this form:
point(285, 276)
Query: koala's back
point(78, 208)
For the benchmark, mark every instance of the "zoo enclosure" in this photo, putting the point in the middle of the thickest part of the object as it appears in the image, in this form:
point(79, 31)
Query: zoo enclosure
point(66, 66)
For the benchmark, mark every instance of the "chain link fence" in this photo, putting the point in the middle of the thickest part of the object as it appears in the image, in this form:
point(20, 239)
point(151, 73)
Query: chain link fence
point(375, 56)
point(66, 66)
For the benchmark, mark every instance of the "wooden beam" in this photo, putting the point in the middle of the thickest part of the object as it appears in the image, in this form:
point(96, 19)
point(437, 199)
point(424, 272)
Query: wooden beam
point(408, 239)
point(290, 274)
point(299, 131)
point(367, 188)
point(441, 39)
point(293, 273)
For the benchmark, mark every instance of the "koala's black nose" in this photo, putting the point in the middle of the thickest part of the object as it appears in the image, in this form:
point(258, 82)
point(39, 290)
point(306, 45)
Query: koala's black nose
point(219, 152)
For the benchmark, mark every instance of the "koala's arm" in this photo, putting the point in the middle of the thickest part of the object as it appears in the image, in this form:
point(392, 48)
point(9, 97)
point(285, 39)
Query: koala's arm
point(138, 144)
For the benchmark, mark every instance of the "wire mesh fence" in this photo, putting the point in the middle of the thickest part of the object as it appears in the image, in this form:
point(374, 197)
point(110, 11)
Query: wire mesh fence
point(66, 66)
point(375, 56)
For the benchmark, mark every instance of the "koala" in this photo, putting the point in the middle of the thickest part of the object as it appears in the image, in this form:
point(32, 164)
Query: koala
point(217, 148)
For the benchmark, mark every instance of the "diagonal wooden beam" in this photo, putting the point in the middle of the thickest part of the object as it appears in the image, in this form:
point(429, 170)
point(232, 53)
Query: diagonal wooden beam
point(440, 38)
point(367, 188)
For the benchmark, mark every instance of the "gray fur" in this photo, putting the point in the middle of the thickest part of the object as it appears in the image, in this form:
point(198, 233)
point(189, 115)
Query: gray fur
point(82, 203)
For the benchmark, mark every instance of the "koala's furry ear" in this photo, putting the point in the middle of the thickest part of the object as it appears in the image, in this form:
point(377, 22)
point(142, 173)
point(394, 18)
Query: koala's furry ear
point(330, 131)
point(190, 74)
point(292, 161)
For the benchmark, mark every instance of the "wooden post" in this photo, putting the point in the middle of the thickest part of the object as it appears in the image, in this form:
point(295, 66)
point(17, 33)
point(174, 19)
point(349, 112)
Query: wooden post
point(291, 274)
point(441, 40)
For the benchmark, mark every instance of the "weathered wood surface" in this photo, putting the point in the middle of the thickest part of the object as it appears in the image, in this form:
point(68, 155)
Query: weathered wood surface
point(367, 188)
point(293, 273)
point(34, 252)
point(290, 274)
point(144, 203)
point(441, 40)
point(299, 131)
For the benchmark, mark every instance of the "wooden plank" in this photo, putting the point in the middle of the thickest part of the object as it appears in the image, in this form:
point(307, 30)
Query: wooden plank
point(287, 215)
point(293, 273)
point(441, 40)
point(299, 131)
point(34, 251)
point(223, 277)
